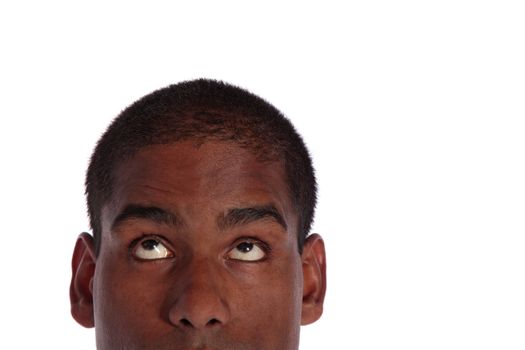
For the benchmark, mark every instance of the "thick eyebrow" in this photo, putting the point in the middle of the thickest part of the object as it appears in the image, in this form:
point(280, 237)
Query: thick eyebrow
point(155, 214)
point(242, 216)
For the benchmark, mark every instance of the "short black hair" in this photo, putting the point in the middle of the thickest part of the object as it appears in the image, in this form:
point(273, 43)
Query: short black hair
point(200, 110)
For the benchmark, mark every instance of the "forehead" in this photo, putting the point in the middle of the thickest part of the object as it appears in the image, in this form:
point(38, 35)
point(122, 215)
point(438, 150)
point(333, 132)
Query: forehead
point(211, 176)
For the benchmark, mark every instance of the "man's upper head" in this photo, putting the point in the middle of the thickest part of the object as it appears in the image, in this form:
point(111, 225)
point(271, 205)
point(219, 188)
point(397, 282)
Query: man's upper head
point(201, 196)
point(203, 110)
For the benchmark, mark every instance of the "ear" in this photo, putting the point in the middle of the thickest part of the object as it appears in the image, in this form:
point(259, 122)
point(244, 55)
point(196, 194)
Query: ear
point(314, 279)
point(81, 289)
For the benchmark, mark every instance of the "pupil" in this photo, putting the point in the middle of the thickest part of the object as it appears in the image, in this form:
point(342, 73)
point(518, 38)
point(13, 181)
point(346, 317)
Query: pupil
point(150, 244)
point(245, 247)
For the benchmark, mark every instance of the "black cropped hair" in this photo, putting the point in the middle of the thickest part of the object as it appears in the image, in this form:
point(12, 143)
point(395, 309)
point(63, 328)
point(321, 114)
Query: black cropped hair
point(202, 110)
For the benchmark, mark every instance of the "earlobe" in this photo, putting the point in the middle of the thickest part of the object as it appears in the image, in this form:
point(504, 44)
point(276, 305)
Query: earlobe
point(314, 279)
point(81, 289)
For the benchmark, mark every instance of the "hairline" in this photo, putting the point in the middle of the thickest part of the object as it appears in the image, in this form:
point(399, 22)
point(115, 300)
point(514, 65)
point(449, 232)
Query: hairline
point(190, 101)
point(116, 164)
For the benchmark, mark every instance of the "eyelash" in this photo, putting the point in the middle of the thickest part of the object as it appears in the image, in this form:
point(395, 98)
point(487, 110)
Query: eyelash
point(261, 244)
point(143, 236)
point(266, 248)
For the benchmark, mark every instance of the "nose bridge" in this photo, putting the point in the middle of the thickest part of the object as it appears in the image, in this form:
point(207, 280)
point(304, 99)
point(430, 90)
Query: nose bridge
point(199, 301)
point(200, 277)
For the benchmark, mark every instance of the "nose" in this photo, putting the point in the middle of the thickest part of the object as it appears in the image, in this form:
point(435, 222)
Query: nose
point(199, 303)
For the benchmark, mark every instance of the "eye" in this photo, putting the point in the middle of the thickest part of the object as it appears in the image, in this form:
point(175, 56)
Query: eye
point(247, 251)
point(151, 249)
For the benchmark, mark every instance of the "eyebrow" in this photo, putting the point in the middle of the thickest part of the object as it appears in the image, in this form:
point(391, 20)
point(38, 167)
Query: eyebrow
point(155, 214)
point(234, 217)
point(242, 216)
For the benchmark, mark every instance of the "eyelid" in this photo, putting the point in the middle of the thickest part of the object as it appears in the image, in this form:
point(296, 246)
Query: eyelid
point(265, 247)
point(146, 236)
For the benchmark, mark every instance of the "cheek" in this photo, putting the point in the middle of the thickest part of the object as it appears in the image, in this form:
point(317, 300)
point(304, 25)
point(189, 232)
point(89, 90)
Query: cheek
point(272, 303)
point(125, 306)
point(131, 304)
point(120, 288)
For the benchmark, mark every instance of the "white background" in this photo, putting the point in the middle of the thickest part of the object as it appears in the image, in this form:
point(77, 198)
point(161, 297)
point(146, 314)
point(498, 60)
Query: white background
point(413, 111)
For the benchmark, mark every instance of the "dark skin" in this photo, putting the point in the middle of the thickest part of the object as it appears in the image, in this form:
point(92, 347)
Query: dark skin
point(199, 251)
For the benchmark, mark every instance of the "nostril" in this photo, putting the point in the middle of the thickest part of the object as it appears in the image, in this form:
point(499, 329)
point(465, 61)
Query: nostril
point(186, 323)
point(213, 322)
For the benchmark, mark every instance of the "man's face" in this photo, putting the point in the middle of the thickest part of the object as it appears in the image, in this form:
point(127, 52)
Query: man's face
point(199, 251)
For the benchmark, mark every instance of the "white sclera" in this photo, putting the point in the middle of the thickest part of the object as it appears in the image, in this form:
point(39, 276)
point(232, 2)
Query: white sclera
point(158, 251)
point(255, 253)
